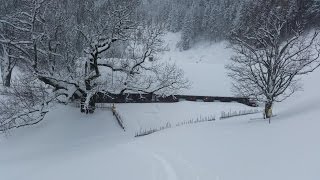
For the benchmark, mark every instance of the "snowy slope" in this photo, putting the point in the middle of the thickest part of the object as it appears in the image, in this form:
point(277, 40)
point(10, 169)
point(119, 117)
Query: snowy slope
point(203, 66)
point(244, 149)
point(68, 145)
point(64, 135)
point(80, 147)
point(140, 117)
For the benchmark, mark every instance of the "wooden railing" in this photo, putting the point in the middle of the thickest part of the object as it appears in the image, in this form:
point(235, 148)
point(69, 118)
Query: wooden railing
point(153, 98)
point(118, 117)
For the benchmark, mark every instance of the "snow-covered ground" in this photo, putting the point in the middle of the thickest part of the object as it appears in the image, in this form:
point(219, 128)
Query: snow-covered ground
point(141, 117)
point(204, 66)
point(69, 145)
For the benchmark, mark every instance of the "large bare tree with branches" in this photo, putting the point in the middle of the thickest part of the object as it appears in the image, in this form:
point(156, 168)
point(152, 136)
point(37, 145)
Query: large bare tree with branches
point(268, 63)
point(61, 73)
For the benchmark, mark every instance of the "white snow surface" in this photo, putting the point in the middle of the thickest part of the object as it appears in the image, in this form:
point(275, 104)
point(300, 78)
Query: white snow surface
point(69, 145)
point(204, 66)
point(140, 117)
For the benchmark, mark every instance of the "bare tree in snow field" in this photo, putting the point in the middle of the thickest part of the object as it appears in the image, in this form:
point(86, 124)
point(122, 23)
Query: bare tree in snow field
point(45, 41)
point(267, 65)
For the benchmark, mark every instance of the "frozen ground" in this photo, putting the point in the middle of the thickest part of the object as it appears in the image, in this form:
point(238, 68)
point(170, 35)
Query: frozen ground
point(68, 145)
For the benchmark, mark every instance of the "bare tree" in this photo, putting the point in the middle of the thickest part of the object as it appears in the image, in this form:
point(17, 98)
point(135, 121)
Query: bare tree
point(267, 66)
point(8, 32)
point(7, 64)
point(25, 103)
point(139, 70)
point(62, 73)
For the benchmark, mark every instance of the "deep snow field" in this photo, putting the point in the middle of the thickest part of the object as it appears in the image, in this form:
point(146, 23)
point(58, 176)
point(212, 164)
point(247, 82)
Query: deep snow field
point(204, 66)
point(69, 145)
point(140, 117)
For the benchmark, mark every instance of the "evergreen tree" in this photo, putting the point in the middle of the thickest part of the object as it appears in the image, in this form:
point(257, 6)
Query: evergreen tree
point(188, 30)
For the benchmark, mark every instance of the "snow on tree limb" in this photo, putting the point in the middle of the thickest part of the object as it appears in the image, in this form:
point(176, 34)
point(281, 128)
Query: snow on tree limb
point(77, 61)
point(267, 65)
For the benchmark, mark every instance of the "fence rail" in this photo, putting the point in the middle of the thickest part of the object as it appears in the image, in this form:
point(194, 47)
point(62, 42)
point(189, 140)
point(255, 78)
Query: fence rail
point(153, 98)
point(118, 117)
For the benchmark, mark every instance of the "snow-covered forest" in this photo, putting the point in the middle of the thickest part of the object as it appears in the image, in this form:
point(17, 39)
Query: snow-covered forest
point(159, 89)
point(214, 19)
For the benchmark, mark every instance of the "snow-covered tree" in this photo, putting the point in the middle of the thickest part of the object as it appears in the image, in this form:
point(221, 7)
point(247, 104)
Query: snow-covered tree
point(139, 70)
point(7, 64)
point(267, 66)
point(8, 31)
point(175, 20)
point(114, 42)
point(188, 32)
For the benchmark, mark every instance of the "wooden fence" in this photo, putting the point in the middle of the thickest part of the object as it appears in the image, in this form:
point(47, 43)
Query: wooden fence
point(153, 98)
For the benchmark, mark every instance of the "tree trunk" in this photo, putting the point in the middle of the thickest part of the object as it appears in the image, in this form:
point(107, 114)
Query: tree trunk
point(6, 68)
point(6, 78)
point(268, 109)
point(88, 104)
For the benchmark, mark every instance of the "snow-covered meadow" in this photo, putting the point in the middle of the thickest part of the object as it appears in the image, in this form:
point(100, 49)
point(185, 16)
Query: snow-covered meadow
point(204, 66)
point(144, 117)
point(69, 145)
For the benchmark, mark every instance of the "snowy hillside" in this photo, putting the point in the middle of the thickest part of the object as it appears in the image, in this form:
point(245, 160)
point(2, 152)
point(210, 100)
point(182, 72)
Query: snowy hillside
point(203, 66)
point(181, 70)
point(68, 145)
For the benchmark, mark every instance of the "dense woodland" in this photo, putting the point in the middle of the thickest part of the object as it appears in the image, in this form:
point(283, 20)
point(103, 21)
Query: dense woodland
point(71, 49)
point(216, 19)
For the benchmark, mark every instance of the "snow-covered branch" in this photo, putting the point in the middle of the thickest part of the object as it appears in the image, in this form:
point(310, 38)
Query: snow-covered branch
point(267, 65)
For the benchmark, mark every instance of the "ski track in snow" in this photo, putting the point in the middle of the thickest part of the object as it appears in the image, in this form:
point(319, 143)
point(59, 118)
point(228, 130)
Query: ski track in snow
point(189, 165)
point(174, 166)
point(170, 172)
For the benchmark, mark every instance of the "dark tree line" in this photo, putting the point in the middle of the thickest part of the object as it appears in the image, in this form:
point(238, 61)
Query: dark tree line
point(215, 19)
